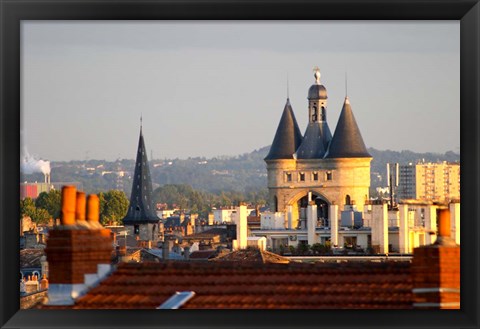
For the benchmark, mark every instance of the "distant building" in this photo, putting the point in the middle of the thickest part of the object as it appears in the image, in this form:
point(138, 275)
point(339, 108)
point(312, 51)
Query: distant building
point(317, 166)
point(33, 190)
point(429, 181)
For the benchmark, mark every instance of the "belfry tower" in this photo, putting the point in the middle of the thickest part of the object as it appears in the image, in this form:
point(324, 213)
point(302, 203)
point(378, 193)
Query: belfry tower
point(317, 167)
point(141, 219)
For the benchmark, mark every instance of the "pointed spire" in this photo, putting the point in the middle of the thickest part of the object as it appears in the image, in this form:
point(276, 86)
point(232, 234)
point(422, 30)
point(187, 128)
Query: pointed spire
point(141, 209)
point(347, 141)
point(287, 138)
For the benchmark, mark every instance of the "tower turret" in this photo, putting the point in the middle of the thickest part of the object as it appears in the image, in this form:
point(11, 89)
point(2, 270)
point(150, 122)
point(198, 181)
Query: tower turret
point(347, 141)
point(287, 138)
point(317, 100)
point(317, 135)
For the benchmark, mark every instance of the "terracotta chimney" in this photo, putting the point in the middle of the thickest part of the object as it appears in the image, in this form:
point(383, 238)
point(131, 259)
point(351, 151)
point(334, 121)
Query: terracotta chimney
point(436, 270)
point(79, 254)
point(44, 283)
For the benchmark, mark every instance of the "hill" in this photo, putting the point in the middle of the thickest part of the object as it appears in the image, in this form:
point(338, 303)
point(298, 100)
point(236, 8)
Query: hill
point(244, 173)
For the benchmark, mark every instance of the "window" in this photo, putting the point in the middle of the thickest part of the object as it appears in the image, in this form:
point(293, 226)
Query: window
point(315, 176)
point(288, 177)
point(328, 175)
point(301, 177)
point(136, 229)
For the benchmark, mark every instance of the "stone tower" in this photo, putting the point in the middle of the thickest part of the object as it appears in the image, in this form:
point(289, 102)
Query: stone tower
point(141, 219)
point(317, 167)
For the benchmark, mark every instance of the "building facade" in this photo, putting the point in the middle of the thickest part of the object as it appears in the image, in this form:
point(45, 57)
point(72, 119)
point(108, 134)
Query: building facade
point(317, 166)
point(438, 182)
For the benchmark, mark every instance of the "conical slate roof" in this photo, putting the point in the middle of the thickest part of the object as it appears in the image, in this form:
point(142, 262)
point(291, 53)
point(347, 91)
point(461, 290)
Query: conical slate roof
point(315, 141)
point(287, 138)
point(347, 142)
point(141, 209)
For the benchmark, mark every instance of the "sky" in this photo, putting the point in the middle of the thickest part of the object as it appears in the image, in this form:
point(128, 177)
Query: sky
point(219, 88)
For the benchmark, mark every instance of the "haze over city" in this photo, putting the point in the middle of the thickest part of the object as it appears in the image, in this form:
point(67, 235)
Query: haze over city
point(209, 89)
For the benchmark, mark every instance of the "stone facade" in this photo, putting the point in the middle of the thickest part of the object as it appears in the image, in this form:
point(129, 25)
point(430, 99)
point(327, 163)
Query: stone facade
point(146, 232)
point(332, 180)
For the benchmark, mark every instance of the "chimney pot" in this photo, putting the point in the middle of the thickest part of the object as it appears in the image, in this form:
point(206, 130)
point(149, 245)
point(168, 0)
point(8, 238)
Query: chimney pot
point(443, 222)
point(80, 207)
point(93, 208)
point(68, 205)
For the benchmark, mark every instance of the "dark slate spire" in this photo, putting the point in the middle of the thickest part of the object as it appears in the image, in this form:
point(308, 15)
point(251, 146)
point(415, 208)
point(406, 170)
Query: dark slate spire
point(141, 209)
point(287, 138)
point(347, 142)
point(315, 142)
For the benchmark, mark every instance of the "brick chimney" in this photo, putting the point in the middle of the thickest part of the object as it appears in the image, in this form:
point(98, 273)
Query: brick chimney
point(78, 250)
point(436, 270)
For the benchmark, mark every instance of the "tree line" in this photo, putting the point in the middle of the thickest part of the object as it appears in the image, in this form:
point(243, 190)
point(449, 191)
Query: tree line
point(114, 203)
point(47, 206)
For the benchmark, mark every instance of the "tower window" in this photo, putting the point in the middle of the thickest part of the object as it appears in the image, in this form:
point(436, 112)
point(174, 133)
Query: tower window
point(301, 177)
point(328, 175)
point(288, 177)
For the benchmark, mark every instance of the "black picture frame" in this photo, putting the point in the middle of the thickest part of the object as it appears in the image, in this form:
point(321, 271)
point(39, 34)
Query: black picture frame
point(14, 11)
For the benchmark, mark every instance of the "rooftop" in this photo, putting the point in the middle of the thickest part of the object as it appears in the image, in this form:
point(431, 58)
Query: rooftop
point(252, 285)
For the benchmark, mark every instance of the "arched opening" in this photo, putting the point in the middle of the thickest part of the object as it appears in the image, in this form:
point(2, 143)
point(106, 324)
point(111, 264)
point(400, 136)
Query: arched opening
point(347, 200)
point(322, 210)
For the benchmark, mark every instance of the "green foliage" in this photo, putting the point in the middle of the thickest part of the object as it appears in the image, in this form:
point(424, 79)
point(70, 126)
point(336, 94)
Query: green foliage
point(185, 197)
point(38, 215)
point(113, 207)
point(51, 202)
point(302, 249)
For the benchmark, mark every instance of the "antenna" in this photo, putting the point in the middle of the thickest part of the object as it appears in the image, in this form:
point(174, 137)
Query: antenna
point(288, 87)
point(346, 86)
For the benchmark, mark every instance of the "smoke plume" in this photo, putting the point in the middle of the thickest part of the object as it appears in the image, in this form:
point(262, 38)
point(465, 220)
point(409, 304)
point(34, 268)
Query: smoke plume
point(29, 164)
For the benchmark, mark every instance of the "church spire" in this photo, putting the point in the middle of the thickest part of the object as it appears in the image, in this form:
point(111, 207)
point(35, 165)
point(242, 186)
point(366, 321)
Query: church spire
point(141, 209)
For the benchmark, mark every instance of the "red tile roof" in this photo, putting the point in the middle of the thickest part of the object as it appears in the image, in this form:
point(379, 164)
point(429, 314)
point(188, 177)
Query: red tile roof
point(251, 285)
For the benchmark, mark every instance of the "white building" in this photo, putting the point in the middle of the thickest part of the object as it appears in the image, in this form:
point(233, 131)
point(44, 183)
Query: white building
point(396, 231)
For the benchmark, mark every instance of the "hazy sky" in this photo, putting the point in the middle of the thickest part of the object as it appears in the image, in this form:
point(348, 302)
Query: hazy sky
point(219, 88)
